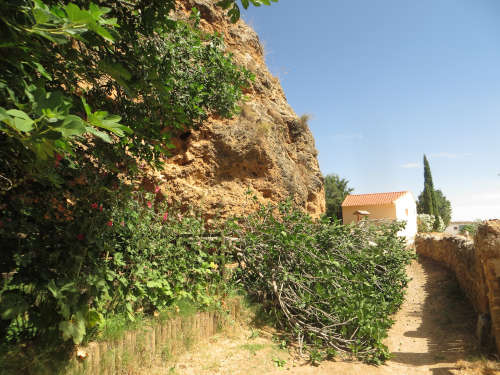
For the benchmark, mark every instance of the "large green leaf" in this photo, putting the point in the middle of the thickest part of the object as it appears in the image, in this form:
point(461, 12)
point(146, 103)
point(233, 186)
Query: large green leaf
point(3, 114)
point(19, 120)
point(99, 134)
point(102, 119)
point(72, 126)
point(73, 329)
point(77, 15)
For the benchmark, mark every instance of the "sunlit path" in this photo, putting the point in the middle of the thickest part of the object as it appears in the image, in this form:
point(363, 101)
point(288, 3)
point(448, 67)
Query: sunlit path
point(432, 334)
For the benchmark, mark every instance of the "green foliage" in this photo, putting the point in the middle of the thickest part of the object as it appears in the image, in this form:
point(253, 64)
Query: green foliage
point(433, 202)
point(90, 93)
point(428, 204)
point(135, 255)
point(443, 205)
point(38, 121)
point(234, 10)
point(430, 223)
point(425, 223)
point(336, 190)
point(36, 358)
point(471, 228)
point(330, 285)
point(67, 68)
point(278, 362)
point(61, 60)
point(316, 356)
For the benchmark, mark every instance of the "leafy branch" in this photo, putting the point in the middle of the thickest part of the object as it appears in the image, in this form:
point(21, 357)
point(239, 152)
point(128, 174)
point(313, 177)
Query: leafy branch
point(331, 286)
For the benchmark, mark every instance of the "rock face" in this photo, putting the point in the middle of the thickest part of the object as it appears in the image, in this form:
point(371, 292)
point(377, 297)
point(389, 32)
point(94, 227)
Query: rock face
point(476, 266)
point(265, 149)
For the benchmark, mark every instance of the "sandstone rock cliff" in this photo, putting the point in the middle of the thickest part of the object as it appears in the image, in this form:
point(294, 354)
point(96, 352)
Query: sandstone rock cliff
point(266, 148)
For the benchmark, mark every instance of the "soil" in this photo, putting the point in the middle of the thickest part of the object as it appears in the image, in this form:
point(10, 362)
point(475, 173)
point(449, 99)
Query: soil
point(433, 333)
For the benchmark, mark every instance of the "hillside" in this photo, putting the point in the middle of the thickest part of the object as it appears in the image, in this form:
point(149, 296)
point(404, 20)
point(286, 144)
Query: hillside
point(266, 148)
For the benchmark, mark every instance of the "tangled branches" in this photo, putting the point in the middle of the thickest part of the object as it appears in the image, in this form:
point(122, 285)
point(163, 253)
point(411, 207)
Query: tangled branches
point(333, 287)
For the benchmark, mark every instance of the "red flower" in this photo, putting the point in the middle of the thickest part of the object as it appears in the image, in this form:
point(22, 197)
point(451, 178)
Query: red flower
point(100, 208)
point(94, 205)
point(165, 216)
point(149, 204)
point(58, 159)
point(109, 223)
point(80, 237)
point(157, 189)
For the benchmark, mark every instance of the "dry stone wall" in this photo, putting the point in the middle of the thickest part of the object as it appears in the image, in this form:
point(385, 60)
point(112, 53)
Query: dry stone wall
point(487, 243)
point(476, 265)
point(459, 255)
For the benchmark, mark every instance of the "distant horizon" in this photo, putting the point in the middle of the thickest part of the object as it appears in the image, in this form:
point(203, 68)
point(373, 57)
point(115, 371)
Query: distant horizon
point(386, 82)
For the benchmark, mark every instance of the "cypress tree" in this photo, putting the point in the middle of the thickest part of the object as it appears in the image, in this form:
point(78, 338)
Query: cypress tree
point(428, 206)
point(428, 188)
point(430, 202)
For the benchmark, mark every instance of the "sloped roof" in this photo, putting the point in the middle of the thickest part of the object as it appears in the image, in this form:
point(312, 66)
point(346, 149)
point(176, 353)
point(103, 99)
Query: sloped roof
point(372, 199)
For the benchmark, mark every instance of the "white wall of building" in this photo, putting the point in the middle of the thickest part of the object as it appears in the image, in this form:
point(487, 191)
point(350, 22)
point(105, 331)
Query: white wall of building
point(406, 210)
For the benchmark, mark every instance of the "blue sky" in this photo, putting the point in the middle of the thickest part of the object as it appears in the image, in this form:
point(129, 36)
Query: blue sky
point(389, 80)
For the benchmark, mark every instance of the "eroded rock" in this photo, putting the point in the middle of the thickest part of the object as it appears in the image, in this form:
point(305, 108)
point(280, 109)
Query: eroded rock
point(265, 149)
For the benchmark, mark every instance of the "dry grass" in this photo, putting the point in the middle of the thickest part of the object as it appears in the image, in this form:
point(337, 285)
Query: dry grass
point(479, 366)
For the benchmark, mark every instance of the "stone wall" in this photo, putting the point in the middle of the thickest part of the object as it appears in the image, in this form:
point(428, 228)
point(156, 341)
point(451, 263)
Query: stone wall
point(459, 255)
point(487, 244)
point(476, 265)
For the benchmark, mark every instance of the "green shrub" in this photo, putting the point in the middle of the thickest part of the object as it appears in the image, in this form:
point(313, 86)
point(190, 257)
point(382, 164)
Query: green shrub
point(119, 257)
point(119, 77)
point(441, 226)
point(426, 223)
point(89, 93)
point(330, 285)
point(471, 228)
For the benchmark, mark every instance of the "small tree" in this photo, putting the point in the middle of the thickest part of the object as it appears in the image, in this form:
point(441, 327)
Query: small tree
point(425, 223)
point(428, 205)
point(336, 190)
point(443, 205)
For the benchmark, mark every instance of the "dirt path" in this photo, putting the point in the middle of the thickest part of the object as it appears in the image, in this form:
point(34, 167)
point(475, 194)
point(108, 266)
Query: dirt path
point(432, 334)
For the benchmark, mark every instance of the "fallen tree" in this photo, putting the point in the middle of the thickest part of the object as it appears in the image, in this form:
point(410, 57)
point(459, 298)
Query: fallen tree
point(333, 287)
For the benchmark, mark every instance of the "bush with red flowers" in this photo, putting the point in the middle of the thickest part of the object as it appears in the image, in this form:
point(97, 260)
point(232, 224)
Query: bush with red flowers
point(72, 267)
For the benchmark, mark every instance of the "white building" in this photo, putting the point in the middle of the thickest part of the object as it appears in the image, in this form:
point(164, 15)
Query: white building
point(399, 206)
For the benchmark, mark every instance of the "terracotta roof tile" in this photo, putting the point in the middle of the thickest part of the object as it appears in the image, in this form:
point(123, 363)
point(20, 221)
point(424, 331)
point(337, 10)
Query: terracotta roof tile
point(372, 199)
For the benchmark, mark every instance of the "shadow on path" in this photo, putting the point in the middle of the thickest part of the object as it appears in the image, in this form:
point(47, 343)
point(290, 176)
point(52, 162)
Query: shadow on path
point(440, 320)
